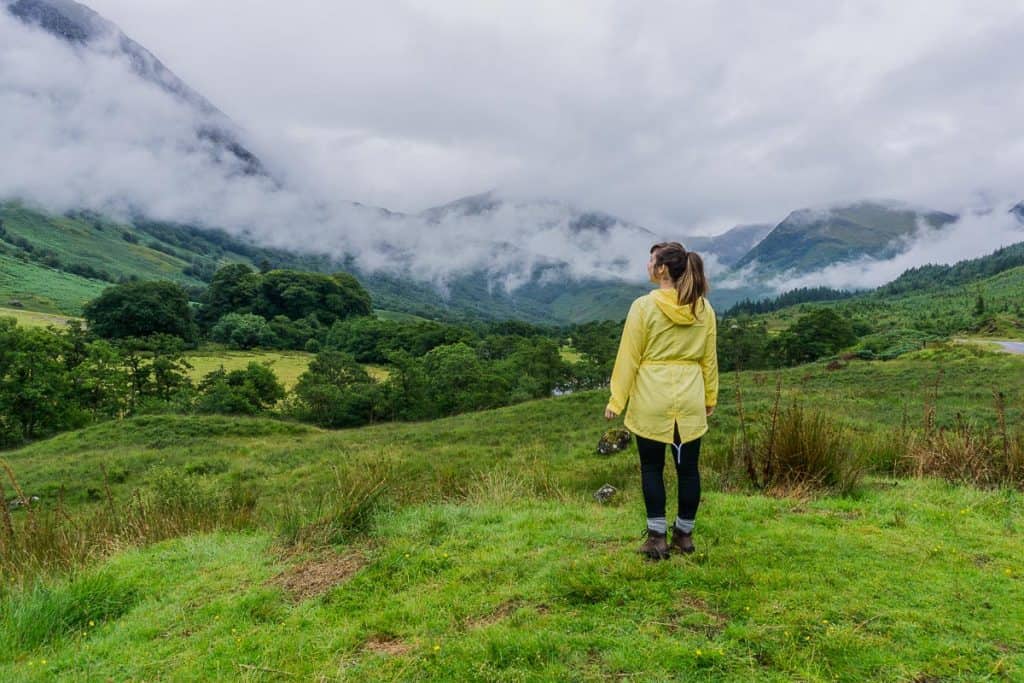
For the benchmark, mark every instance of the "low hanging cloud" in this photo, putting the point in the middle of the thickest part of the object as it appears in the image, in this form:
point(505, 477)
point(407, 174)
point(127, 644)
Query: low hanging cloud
point(82, 131)
point(974, 234)
point(637, 110)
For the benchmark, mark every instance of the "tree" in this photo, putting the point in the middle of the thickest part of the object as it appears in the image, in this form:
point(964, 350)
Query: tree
point(141, 309)
point(241, 392)
point(814, 335)
point(233, 289)
point(336, 391)
point(457, 381)
point(297, 294)
point(243, 331)
point(36, 396)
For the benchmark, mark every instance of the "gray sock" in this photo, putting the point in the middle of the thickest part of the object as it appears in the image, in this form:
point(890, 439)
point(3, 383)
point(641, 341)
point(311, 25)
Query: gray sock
point(684, 525)
point(657, 524)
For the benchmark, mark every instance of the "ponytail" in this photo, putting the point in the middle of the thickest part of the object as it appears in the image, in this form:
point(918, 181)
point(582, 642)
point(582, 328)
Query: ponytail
point(692, 284)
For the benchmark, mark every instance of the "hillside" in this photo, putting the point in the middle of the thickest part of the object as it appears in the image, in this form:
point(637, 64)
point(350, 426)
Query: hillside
point(503, 567)
point(46, 261)
point(939, 299)
point(809, 239)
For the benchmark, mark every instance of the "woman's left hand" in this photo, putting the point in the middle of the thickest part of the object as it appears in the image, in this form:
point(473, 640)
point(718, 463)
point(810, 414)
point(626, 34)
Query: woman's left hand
point(609, 415)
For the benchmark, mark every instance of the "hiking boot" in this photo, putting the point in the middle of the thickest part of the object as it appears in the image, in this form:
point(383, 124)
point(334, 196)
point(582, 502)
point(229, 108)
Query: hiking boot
point(682, 542)
point(655, 546)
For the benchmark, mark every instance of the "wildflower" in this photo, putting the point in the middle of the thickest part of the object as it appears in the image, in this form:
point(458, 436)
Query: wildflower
point(1009, 572)
point(43, 662)
point(436, 648)
point(698, 652)
point(92, 623)
point(824, 621)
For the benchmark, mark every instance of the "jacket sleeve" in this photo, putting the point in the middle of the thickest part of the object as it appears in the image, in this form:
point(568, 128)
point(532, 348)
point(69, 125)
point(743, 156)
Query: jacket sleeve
point(709, 362)
point(627, 360)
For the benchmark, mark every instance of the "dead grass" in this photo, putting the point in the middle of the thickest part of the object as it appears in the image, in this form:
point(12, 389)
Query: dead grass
point(316, 576)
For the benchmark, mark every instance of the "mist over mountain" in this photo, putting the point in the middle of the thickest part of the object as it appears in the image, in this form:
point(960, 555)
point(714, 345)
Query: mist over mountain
point(92, 120)
point(80, 26)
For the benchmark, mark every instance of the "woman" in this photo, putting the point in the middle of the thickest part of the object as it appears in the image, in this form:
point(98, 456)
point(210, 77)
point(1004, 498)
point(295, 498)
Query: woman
point(667, 370)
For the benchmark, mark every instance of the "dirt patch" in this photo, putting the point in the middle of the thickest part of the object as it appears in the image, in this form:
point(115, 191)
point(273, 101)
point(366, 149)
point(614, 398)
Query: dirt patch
point(385, 645)
point(717, 620)
point(315, 576)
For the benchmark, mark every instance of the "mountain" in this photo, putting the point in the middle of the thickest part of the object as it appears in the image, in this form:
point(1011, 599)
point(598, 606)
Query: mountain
point(544, 213)
point(732, 245)
point(83, 28)
point(811, 239)
point(1018, 211)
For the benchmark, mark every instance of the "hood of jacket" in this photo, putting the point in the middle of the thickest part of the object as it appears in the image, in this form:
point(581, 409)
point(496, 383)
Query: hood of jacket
point(666, 300)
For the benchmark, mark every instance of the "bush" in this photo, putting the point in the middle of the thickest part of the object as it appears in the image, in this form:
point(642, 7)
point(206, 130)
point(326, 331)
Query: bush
point(798, 448)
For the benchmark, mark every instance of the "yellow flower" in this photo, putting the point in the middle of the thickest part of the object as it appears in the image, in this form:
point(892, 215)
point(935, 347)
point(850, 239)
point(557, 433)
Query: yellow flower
point(92, 623)
point(698, 652)
point(43, 662)
point(436, 648)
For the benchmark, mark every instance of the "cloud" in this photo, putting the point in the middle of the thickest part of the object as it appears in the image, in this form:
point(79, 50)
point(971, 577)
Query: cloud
point(687, 118)
point(973, 235)
point(684, 117)
point(80, 130)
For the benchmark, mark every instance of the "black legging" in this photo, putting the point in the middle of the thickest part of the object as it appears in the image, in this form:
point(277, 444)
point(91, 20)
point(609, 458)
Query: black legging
point(652, 467)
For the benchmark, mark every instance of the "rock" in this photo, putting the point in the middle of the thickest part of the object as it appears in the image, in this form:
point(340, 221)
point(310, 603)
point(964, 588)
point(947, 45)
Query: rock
point(614, 441)
point(605, 493)
point(17, 503)
point(14, 303)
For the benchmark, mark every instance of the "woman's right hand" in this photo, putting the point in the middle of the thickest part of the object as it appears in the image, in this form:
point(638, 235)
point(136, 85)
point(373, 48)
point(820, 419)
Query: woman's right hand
point(709, 410)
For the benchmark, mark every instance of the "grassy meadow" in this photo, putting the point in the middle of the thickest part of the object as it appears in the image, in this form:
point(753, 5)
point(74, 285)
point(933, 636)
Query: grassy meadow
point(471, 548)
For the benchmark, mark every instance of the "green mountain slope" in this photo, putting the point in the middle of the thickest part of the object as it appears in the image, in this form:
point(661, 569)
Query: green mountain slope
point(55, 263)
point(809, 239)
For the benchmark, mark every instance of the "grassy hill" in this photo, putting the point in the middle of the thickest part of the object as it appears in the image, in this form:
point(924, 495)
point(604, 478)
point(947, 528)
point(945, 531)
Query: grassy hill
point(945, 309)
point(485, 557)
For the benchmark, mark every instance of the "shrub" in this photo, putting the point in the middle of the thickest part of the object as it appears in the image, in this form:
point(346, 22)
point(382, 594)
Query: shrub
point(966, 453)
point(798, 448)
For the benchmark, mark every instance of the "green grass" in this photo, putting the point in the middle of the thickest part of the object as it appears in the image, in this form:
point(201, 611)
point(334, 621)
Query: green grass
point(287, 365)
point(503, 587)
point(34, 318)
point(43, 289)
point(97, 243)
point(398, 316)
point(488, 559)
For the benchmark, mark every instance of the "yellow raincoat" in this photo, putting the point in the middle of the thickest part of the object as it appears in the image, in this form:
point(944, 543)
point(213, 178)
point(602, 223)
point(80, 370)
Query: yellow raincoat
point(666, 367)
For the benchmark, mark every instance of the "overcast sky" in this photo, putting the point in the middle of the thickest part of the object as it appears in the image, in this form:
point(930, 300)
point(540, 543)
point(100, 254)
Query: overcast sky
point(695, 114)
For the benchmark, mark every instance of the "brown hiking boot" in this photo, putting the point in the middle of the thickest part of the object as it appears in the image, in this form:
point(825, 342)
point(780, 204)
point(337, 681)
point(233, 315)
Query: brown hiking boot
point(655, 546)
point(682, 542)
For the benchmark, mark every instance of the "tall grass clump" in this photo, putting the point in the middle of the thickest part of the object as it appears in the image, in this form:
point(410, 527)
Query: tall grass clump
point(336, 515)
point(795, 449)
point(48, 539)
point(40, 613)
point(967, 453)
